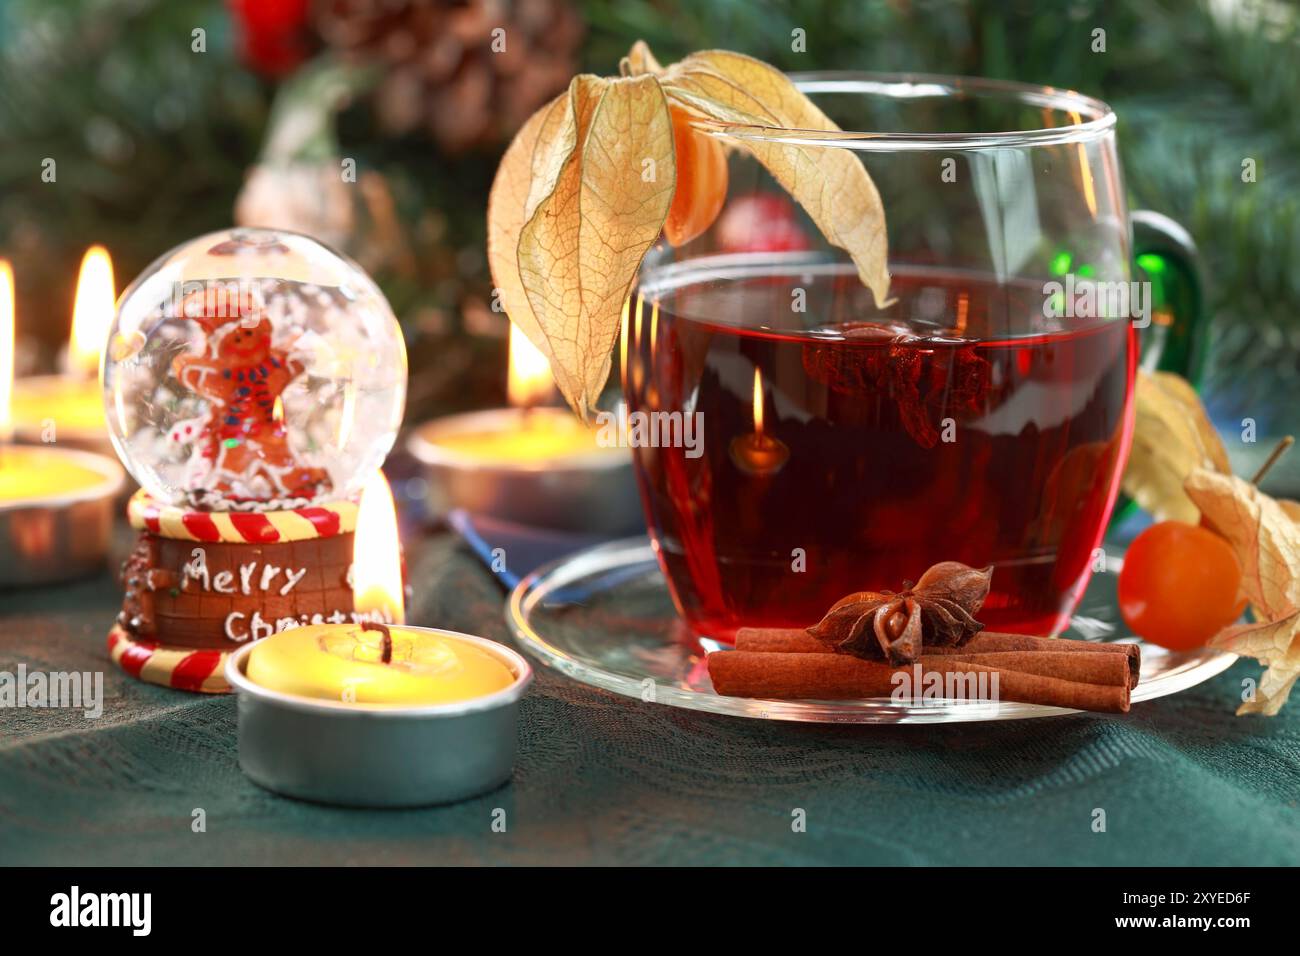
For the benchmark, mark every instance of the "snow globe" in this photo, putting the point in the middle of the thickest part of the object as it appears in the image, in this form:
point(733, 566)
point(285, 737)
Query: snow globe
point(253, 380)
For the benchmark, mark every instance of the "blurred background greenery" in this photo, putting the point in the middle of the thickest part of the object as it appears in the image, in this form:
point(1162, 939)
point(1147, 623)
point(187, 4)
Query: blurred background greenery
point(157, 128)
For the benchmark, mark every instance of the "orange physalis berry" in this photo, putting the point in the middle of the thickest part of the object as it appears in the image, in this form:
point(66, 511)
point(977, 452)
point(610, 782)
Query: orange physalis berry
point(701, 181)
point(1179, 585)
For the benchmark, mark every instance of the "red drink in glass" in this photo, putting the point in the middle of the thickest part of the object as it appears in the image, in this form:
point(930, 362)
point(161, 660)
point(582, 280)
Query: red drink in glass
point(848, 449)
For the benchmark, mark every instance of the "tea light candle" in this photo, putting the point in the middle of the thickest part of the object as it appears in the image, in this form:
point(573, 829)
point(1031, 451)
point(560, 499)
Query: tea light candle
point(31, 474)
point(68, 407)
point(757, 452)
point(370, 662)
point(55, 504)
point(531, 437)
point(376, 713)
point(529, 463)
point(374, 664)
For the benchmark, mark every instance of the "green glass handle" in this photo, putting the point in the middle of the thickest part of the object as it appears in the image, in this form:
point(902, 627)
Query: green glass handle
point(1166, 257)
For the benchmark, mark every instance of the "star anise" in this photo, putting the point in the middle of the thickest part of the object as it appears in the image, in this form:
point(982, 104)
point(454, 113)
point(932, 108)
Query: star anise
point(939, 611)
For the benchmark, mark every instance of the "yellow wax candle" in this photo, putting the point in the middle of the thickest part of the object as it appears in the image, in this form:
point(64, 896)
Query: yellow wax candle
point(36, 473)
point(344, 662)
point(72, 403)
point(535, 436)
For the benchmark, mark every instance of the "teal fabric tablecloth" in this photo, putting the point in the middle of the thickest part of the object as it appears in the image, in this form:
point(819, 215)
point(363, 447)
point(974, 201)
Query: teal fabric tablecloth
point(602, 779)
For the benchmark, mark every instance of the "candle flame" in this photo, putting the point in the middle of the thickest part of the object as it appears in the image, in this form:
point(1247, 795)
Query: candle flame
point(530, 381)
point(654, 327)
point(6, 348)
point(758, 402)
point(637, 373)
point(92, 312)
point(376, 554)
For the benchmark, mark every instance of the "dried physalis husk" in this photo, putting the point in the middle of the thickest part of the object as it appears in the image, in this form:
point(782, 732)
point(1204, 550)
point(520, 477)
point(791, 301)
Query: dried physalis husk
point(1265, 538)
point(571, 215)
point(938, 611)
point(740, 92)
point(584, 190)
point(1172, 436)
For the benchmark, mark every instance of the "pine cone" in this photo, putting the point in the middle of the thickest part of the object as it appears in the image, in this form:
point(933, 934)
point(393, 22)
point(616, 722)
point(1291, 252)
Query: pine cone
point(450, 69)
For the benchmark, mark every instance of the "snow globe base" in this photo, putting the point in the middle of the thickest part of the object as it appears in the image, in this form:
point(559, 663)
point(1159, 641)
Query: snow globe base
point(199, 584)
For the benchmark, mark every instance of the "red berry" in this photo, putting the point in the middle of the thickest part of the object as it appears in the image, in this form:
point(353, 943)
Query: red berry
point(1179, 585)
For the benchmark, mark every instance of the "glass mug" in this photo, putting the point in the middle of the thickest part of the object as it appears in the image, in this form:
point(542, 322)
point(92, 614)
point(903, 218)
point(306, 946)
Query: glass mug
point(984, 416)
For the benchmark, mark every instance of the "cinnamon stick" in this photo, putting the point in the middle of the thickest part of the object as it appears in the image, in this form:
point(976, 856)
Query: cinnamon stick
point(783, 640)
point(987, 642)
point(778, 640)
point(1085, 668)
point(825, 676)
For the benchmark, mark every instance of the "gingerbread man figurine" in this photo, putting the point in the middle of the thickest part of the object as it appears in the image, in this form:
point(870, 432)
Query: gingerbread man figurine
point(241, 446)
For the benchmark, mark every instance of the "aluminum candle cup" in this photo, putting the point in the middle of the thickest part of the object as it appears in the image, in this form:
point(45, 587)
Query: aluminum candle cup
point(379, 755)
point(583, 488)
point(56, 513)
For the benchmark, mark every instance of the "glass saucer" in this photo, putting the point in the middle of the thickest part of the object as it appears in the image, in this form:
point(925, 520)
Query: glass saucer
point(604, 617)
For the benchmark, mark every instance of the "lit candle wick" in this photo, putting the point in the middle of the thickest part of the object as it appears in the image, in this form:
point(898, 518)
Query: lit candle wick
point(387, 654)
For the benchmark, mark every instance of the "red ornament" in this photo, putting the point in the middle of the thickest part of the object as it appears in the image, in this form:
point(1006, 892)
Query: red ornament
point(763, 222)
point(273, 36)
